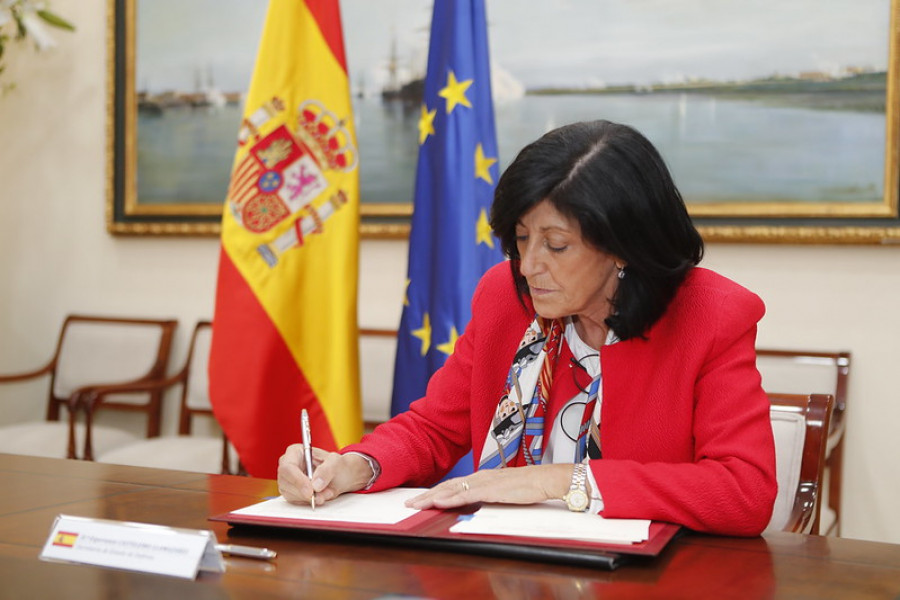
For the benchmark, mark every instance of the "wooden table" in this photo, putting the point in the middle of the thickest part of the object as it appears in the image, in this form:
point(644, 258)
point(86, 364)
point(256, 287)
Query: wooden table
point(34, 490)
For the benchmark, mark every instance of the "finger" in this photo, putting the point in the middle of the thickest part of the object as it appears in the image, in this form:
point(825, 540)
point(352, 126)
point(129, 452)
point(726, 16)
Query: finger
point(293, 482)
point(288, 486)
point(457, 493)
point(298, 493)
point(449, 494)
point(288, 470)
point(326, 473)
point(293, 454)
point(318, 455)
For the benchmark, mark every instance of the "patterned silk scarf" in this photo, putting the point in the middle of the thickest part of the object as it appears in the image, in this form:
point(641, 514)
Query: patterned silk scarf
point(516, 434)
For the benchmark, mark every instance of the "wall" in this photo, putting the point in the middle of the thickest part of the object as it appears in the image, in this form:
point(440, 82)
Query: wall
point(57, 258)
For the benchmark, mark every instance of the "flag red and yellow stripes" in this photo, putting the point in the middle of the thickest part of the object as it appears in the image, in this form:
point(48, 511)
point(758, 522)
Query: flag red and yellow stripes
point(65, 538)
point(285, 329)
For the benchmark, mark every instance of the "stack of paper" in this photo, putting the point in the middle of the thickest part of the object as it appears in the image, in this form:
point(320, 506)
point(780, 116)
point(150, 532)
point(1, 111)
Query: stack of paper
point(552, 520)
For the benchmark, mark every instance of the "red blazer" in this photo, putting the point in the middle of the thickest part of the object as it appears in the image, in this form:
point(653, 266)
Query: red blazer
point(685, 424)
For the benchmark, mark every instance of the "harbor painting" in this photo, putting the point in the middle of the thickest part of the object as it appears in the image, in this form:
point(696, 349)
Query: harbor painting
point(769, 113)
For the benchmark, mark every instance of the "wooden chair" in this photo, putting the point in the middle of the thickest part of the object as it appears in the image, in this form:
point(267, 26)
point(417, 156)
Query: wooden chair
point(803, 372)
point(187, 452)
point(799, 423)
point(91, 351)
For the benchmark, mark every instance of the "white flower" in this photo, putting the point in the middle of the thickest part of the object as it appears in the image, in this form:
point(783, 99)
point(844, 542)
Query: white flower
point(31, 19)
point(37, 30)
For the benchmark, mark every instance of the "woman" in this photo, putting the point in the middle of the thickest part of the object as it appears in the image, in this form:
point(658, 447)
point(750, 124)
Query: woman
point(600, 361)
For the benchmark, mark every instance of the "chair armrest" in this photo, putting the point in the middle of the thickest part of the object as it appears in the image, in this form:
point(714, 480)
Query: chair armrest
point(801, 519)
point(91, 395)
point(27, 374)
point(88, 398)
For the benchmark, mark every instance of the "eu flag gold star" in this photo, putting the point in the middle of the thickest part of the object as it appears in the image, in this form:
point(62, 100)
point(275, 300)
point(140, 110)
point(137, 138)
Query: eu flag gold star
point(426, 124)
point(483, 165)
point(483, 230)
point(406, 293)
point(448, 346)
point(455, 92)
point(424, 334)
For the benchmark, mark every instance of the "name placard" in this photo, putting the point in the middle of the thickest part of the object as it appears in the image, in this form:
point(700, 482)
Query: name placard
point(133, 546)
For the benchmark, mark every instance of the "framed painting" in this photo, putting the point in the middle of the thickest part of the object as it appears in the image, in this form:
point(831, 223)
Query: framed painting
point(174, 112)
point(779, 119)
point(178, 70)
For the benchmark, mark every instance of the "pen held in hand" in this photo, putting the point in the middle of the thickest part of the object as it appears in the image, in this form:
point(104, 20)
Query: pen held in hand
point(307, 451)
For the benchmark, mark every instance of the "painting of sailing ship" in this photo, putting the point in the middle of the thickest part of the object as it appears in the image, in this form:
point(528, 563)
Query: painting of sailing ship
point(763, 109)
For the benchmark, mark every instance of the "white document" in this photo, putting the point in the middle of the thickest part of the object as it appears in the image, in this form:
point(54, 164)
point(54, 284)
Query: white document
point(552, 520)
point(386, 508)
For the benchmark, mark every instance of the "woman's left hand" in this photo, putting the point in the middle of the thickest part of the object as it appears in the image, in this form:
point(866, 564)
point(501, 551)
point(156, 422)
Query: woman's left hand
point(511, 485)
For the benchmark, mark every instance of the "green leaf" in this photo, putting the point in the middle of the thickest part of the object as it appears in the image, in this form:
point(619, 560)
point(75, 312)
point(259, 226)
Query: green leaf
point(21, 32)
point(55, 20)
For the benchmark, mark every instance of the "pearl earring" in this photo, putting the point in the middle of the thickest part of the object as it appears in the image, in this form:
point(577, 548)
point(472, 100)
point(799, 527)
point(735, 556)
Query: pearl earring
point(621, 273)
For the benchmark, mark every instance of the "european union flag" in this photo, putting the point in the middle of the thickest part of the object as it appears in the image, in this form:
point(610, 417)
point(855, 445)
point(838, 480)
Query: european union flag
point(450, 242)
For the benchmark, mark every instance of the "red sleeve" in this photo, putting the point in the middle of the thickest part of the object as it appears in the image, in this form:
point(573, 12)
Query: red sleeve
point(417, 447)
point(725, 481)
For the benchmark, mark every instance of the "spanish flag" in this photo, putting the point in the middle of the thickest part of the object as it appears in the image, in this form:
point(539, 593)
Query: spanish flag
point(65, 538)
point(285, 334)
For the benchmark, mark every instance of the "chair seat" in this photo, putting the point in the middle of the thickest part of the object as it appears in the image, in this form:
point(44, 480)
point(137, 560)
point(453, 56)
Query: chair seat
point(182, 453)
point(50, 438)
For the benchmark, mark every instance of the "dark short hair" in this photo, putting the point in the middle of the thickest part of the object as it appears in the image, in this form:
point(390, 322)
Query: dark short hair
point(614, 183)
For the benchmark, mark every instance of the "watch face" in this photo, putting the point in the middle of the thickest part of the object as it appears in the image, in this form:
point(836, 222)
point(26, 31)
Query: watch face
point(577, 500)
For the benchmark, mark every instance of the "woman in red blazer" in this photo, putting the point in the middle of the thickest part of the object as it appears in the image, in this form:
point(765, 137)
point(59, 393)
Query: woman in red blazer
point(600, 362)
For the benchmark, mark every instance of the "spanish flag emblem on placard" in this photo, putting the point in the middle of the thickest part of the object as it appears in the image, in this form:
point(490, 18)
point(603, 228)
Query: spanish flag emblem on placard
point(65, 538)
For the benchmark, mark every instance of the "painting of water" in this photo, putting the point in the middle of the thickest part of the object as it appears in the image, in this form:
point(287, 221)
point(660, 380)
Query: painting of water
point(763, 108)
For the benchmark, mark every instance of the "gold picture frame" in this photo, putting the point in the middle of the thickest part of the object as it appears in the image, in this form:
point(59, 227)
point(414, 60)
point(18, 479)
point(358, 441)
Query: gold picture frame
point(128, 212)
point(125, 212)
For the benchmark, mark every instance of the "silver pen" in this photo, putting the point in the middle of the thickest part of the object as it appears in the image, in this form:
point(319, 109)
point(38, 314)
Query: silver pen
point(307, 452)
point(246, 551)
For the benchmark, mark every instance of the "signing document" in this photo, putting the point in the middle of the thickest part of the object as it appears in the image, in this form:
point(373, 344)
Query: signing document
point(387, 507)
point(552, 520)
point(546, 520)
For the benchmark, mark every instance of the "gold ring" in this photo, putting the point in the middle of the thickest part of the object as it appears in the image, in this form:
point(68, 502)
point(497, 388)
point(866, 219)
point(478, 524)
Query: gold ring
point(465, 485)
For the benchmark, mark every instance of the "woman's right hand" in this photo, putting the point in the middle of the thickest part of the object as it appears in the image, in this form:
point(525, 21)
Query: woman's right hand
point(333, 474)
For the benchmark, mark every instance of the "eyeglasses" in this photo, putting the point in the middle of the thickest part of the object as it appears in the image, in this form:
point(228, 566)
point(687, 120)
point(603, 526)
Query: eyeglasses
point(577, 363)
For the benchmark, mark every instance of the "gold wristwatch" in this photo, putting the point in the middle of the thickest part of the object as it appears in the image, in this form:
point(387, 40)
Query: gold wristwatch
point(577, 498)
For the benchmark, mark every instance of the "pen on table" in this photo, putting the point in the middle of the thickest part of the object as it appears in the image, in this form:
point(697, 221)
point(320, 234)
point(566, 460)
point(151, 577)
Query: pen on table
point(246, 551)
point(307, 452)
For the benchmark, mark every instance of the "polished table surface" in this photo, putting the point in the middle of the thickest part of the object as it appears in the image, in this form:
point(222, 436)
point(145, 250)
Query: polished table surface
point(33, 491)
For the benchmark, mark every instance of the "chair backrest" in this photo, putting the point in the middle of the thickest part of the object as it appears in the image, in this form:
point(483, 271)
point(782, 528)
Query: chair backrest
point(805, 372)
point(108, 350)
point(799, 424)
point(195, 391)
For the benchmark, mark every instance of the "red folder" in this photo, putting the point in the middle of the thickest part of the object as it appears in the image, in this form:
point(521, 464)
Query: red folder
point(430, 529)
